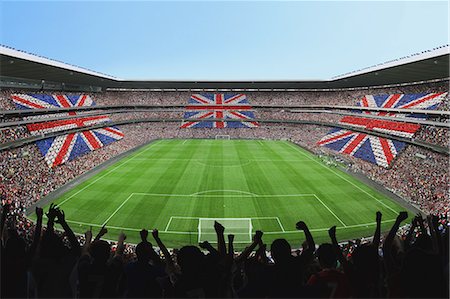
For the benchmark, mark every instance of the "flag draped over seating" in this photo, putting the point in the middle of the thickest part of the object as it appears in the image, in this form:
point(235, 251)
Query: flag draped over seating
point(58, 150)
point(219, 106)
point(378, 150)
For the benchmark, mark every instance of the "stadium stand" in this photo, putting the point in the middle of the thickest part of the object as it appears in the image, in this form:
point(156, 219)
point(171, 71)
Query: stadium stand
point(417, 175)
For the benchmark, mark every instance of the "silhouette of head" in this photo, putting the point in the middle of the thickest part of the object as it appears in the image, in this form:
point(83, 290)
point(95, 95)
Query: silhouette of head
point(143, 251)
point(52, 246)
point(100, 251)
point(190, 259)
point(15, 246)
point(327, 256)
point(280, 250)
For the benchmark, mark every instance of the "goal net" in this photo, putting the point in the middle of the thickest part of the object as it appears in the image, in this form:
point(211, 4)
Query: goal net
point(241, 228)
point(223, 137)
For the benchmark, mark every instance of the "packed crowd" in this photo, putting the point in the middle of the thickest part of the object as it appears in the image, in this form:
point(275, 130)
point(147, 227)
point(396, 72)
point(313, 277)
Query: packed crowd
point(408, 262)
point(25, 179)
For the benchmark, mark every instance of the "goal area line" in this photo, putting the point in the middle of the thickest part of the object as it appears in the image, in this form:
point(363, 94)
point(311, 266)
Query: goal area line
point(195, 232)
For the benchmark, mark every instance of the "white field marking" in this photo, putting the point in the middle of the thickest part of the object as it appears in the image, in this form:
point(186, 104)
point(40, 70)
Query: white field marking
point(184, 141)
point(223, 190)
point(209, 165)
point(225, 195)
point(192, 233)
point(281, 225)
point(192, 217)
point(222, 160)
point(344, 178)
point(168, 224)
point(99, 178)
point(342, 222)
point(121, 205)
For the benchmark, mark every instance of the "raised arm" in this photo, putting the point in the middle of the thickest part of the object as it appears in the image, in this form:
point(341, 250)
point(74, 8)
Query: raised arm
point(87, 242)
point(257, 239)
point(231, 245)
point(37, 231)
point(377, 234)
point(432, 225)
point(342, 260)
point(120, 245)
point(101, 233)
point(153, 255)
point(221, 246)
point(388, 259)
point(410, 233)
point(207, 246)
point(167, 257)
point(5, 210)
point(51, 215)
point(261, 253)
point(74, 244)
point(309, 238)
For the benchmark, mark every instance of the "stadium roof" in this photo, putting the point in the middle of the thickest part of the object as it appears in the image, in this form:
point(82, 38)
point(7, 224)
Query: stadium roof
point(428, 65)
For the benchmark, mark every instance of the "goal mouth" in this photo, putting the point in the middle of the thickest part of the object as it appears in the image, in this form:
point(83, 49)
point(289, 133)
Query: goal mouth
point(241, 228)
point(222, 137)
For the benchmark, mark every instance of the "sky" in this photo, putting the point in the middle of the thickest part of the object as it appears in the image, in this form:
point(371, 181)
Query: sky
point(224, 40)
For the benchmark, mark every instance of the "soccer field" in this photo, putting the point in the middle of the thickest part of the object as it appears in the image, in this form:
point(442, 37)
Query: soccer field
point(178, 185)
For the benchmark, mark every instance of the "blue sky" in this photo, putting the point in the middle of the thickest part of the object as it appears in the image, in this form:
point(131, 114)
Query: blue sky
point(229, 40)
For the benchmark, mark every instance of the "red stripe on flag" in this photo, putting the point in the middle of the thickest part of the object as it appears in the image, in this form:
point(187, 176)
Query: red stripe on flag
point(81, 102)
point(417, 102)
point(334, 138)
point(114, 131)
point(185, 125)
point(219, 107)
point(219, 124)
point(28, 103)
point(365, 104)
point(233, 98)
point(354, 143)
point(391, 102)
point(79, 122)
point(371, 124)
point(199, 99)
point(65, 103)
point(386, 150)
point(91, 139)
point(63, 151)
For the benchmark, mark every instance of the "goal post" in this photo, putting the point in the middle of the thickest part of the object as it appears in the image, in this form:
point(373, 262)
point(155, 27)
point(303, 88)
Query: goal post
point(241, 228)
point(222, 137)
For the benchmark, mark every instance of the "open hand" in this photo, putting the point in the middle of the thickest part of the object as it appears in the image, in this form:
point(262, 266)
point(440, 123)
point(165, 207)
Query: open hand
point(60, 216)
point(403, 215)
point(155, 234)
point(258, 236)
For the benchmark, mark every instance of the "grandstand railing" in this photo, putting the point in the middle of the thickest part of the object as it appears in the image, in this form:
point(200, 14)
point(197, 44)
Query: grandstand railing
point(28, 140)
point(404, 120)
point(131, 108)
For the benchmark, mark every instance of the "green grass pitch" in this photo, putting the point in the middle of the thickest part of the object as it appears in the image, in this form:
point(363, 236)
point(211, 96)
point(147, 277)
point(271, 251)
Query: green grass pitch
point(171, 184)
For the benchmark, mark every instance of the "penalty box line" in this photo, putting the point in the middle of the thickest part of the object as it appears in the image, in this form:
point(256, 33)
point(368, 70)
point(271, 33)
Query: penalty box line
point(166, 230)
point(195, 233)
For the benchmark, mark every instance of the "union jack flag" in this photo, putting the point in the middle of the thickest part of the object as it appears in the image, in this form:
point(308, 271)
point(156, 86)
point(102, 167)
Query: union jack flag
point(222, 106)
point(58, 150)
point(378, 150)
